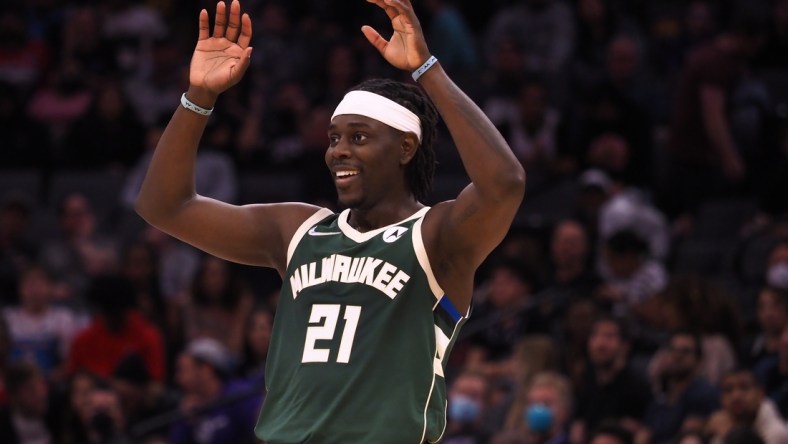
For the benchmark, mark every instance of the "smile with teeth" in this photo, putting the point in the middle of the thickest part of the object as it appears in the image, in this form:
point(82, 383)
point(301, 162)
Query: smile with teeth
point(346, 173)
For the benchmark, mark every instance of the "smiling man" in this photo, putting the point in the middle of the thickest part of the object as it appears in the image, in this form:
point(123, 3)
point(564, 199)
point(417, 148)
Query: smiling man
point(372, 297)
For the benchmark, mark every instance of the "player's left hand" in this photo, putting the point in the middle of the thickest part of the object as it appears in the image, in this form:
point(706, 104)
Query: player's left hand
point(407, 48)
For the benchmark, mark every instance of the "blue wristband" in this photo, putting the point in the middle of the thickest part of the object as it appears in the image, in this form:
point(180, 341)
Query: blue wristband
point(423, 68)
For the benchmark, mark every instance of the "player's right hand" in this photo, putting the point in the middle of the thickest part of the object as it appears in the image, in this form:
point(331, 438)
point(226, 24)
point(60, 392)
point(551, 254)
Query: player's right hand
point(221, 58)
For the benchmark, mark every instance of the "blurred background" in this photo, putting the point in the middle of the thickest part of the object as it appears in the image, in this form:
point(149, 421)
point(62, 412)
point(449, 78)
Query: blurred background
point(641, 295)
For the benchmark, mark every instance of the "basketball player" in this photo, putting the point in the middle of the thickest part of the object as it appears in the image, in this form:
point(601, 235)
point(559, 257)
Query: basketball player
point(372, 297)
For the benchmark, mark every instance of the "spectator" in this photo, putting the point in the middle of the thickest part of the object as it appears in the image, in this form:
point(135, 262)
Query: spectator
point(62, 100)
point(106, 423)
point(777, 266)
point(630, 276)
point(139, 265)
point(533, 355)
point(140, 397)
point(542, 29)
point(742, 435)
point(570, 254)
point(745, 405)
point(27, 143)
point(576, 328)
point(18, 248)
point(22, 59)
point(700, 306)
point(109, 136)
point(691, 437)
point(79, 251)
point(772, 319)
point(611, 388)
point(772, 373)
point(117, 329)
point(449, 37)
point(218, 306)
point(468, 409)
point(26, 419)
point(257, 339)
point(530, 125)
point(611, 433)
point(216, 175)
point(597, 23)
point(704, 158)
point(628, 208)
point(40, 332)
point(684, 400)
point(131, 28)
point(76, 416)
point(177, 263)
point(202, 375)
point(545, 416)
point(506, 315)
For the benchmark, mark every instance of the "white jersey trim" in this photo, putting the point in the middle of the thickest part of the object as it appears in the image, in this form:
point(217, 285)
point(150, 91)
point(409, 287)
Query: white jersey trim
point(426, 407)
point(360, 237)
point(424, 261)
point(301, 231)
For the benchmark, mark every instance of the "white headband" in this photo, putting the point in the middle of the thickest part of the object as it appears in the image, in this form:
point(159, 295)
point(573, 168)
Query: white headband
point(375, 106)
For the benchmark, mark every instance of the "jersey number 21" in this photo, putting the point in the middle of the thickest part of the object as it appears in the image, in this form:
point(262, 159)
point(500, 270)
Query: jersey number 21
point(323, 325)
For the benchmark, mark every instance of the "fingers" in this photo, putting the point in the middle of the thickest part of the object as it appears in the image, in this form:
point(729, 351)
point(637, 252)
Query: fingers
point(221, 20)
point(402, 7)
point(246, 31)
point(390, 11)
point(234, 24)
point(203, 25)
point(375, 38)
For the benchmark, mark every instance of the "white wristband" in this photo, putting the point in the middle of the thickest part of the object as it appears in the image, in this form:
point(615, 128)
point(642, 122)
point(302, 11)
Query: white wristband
point(188, 104)
point(423, 68)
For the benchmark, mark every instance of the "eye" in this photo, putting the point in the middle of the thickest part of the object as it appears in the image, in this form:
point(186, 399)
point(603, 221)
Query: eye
point(359, 138)
point(333, 139)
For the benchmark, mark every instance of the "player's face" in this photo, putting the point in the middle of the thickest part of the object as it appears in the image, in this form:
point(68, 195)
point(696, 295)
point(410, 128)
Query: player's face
point(364, 157)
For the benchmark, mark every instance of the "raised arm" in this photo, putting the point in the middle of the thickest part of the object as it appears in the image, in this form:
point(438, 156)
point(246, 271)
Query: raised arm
point(252, 234)
point(461, 233)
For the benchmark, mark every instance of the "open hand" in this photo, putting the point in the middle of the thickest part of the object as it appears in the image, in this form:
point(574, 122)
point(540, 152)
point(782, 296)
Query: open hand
point(407, 48)
point(220, 60)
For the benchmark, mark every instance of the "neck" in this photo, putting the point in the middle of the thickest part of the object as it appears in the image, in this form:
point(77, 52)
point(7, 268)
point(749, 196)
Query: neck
point(772, 341)
point(607, 373)
point(367, 219)
point(677, 385)
point(211, 390)
point(566, 272)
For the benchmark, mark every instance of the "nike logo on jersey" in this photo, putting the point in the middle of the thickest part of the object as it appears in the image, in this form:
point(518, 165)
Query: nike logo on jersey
point(313, 232)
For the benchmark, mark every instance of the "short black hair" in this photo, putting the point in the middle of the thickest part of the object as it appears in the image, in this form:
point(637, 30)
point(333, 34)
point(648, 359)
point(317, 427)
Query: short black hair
point(696, 340)
point(421, 169)
point(627, 242)
point(620, 322)
point(614, 429)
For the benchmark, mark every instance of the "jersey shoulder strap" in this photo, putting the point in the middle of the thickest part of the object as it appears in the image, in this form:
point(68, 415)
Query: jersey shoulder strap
point(301, 231)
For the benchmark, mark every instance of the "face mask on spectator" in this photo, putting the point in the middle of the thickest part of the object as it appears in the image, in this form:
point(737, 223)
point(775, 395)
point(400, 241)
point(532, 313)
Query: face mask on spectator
point(777, 276)
point(539, 418)
point(463, 409)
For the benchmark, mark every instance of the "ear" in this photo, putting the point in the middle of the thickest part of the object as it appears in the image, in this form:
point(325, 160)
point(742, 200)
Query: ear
point(408, 147)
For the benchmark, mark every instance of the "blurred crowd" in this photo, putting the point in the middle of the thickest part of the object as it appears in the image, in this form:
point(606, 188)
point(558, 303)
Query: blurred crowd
point(641, 296)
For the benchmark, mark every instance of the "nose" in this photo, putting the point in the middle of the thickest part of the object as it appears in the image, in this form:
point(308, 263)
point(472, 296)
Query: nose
point(341, 150)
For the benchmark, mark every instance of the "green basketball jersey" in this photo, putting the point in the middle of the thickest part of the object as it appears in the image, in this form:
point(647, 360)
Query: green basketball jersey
point(361, 338)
